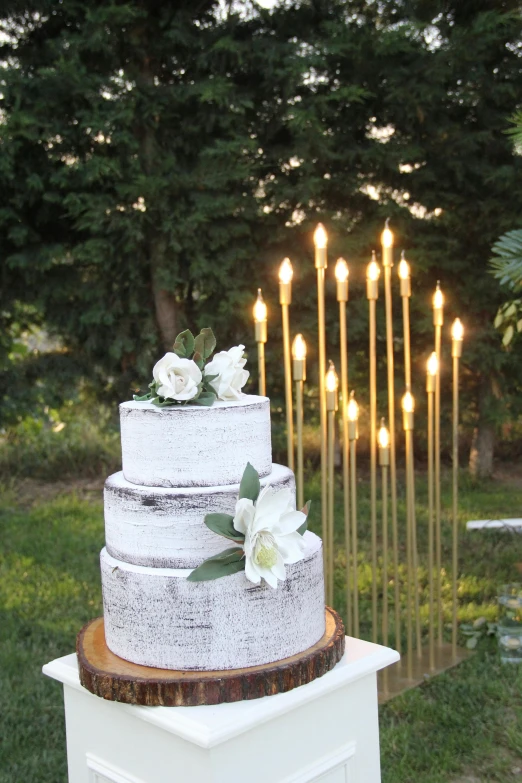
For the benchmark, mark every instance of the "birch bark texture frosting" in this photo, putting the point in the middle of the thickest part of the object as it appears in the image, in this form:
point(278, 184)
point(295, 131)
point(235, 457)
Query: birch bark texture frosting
point(155, 617)
point(164, 527)
point(191, 446)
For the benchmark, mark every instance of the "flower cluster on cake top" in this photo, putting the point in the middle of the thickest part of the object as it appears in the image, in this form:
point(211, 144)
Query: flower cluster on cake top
point(185, 374)
point(266, 529)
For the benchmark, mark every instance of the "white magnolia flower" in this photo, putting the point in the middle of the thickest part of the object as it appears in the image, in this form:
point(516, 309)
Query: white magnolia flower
point(231, 377)
point(176, 378)
point(271, 539)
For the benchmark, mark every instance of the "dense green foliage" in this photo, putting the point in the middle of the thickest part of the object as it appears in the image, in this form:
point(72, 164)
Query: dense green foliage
point(467, 721)
point(159, 159)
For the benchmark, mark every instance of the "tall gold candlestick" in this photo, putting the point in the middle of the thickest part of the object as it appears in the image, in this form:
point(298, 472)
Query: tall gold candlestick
point(384, 461)
point(286, 274)
point(387, 262)
point(261, 338)
point(299, 359)
point(431, 377)
point(408, 406)
point(372, 292)
point(331, 386)
point(438, 320)
point(353, 434)
point(341, 276)
point(457, 333)
point(320, 242)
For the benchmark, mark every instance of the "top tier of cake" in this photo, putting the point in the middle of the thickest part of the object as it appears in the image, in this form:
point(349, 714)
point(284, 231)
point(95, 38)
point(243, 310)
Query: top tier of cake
point(195, 446)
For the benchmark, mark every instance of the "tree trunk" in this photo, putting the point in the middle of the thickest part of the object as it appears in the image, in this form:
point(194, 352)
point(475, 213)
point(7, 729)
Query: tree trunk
point(164, 301)
point(483, 443)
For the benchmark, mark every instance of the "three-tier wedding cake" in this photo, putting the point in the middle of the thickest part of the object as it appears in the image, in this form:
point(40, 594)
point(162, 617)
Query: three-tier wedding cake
point(208, 565)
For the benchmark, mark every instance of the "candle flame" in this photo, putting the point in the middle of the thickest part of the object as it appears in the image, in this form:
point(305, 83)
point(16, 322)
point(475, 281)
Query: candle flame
point(384, 436)
point(373, 272)
point(404, 269)
point(408, 403)
point(353, 408)
point(299, 347)
point(387, 237)
point(259, 308)
point(331, 380)
point(286, 272)
point(341, 271)
point(320, 236)
point(457, 330)
point(438, 298)
point(433, 364)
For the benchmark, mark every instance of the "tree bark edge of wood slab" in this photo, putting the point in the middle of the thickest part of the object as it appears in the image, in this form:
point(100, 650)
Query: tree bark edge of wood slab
point(110, 677)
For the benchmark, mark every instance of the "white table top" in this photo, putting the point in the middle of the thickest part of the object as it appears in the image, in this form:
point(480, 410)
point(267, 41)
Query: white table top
point(208, 726)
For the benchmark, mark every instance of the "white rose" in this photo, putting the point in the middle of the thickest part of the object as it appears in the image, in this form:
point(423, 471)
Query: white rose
point(231, 377)
point(176, 378)
point(270, 528)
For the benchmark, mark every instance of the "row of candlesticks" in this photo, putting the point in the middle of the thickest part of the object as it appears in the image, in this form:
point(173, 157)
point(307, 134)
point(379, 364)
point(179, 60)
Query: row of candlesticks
point(382, 442)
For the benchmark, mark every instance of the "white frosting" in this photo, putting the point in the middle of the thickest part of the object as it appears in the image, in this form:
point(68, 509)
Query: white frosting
point(164, 527)
point(190, 445)
point(155, 617)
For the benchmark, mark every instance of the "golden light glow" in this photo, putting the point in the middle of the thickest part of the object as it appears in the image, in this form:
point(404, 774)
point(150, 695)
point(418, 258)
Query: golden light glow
point(286, 272)
point(373, 272)
point(353, 409)
point(341, 271)
point(387, 237)
point(331, 381)
point(433, 364)
point(320, 236)
point(299, 348)
point(259, 308)
point(384, 437)
point(438, 299)
point(408, 403)
point(457, 330)
point(404, 269)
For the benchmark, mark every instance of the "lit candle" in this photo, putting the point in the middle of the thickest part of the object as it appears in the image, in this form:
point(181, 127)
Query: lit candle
point(387, 241)
point(438, 320)
point(260, 319)
point(299, 357)
point(384, 461)
point(457, 335)
point(372, 292)
point(331, 386)
point(286, 274)
point(320, 242)
point(408, 407)
point(353, 416)
point(431, 380)
point(404, 276)
point(341, 276)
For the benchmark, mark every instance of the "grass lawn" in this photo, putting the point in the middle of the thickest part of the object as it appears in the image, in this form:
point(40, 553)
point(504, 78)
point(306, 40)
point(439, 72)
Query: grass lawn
point(462, 727)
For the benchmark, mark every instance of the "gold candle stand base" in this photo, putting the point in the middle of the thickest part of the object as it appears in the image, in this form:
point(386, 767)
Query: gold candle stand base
point(398, 682)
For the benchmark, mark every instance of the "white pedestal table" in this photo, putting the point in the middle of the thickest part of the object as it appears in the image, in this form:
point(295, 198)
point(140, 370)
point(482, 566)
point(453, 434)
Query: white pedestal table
point(323, 732)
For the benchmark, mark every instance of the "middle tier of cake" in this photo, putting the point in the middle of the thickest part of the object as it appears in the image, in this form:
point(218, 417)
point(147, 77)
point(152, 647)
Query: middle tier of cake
point(164, 527)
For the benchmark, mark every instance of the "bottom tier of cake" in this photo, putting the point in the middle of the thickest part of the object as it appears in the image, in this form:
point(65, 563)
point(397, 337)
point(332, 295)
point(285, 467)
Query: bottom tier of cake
point(155, 617)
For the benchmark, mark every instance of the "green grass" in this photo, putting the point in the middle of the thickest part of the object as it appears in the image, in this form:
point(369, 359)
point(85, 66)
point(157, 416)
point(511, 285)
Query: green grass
point(467, 722)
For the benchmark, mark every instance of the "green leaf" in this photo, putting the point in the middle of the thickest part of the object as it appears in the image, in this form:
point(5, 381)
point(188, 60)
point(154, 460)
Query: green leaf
point(206, 398)
point(223, 525)
point(508, 335)
point(228, 562)
point(306, 510)
point(205, 342)
point(184, 344)
point(519, 325)
point(472, 643)
point(198, 359)
point(250, 485)
point(144, 398)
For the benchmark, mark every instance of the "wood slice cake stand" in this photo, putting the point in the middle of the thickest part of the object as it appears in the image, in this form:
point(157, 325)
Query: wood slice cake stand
point(110, 677)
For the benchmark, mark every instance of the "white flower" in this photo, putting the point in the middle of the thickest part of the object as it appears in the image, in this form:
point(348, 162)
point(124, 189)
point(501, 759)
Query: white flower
point(176, 378)
point(271, 539)
point(231, 377)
